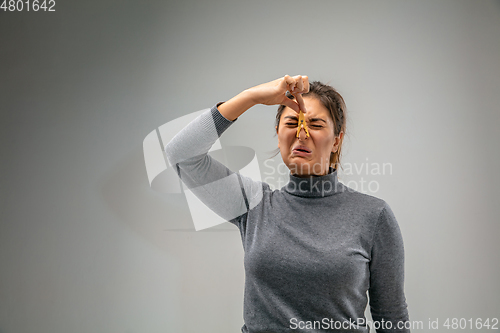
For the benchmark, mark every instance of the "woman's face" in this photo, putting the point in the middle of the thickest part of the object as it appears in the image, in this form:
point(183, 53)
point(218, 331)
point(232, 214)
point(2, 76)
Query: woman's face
point(319, 145)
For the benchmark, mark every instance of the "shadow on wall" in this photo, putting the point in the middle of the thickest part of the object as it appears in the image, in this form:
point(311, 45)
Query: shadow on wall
point(164, 221)
point(149, 212)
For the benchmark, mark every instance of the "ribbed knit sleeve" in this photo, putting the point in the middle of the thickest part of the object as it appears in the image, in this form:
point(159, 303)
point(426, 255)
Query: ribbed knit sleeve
point(225, 192)
point(387, 297)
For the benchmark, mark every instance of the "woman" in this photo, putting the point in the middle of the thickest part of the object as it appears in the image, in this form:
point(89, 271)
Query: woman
point(314, 247)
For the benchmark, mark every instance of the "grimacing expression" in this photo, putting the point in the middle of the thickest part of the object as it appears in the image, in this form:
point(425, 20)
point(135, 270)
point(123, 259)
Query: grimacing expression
point(311, 155)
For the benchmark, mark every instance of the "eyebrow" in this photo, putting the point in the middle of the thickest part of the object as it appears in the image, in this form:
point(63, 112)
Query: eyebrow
point(312, 119)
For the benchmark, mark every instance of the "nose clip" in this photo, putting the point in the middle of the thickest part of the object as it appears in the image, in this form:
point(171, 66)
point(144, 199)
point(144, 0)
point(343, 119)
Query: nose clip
point(302, 124)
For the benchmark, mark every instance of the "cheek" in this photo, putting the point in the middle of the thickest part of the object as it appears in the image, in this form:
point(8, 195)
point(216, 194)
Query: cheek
point(286, 135)
point(324, 141)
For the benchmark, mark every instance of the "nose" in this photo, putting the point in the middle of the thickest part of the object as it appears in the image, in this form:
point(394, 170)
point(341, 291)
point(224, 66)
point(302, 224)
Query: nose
point(302, 133)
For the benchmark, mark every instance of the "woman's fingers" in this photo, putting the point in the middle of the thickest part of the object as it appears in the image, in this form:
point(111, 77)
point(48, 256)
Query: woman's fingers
point(300, 83)
point(290, 82)
point(288, 79)
point(305, 81)
point(297, 86)
point(291, 104)
point(274, 92)
point(300, 102)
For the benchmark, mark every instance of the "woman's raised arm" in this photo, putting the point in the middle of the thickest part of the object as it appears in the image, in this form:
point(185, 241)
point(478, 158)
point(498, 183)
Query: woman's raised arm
point(225, 192)
point(270, 93)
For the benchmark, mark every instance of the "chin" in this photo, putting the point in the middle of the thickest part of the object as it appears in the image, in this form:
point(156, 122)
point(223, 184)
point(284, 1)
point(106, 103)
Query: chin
point(306, 168)
point(300, 168)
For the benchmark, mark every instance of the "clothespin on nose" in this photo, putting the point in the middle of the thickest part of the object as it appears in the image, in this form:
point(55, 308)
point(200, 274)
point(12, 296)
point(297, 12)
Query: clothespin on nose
point(302, 124)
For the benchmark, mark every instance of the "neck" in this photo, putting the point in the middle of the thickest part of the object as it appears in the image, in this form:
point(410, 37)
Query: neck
point(314, 186)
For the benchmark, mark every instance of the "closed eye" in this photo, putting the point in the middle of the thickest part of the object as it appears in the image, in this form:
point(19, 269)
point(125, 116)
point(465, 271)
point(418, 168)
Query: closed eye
point(295, 124)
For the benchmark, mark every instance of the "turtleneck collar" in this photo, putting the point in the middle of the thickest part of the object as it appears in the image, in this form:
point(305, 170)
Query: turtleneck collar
point(314, 186)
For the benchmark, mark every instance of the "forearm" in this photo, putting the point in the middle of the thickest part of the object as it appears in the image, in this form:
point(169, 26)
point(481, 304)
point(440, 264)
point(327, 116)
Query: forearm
point(237, 105)
point(211, 181)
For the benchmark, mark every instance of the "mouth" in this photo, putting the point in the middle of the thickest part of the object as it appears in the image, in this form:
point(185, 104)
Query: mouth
point(302, 150)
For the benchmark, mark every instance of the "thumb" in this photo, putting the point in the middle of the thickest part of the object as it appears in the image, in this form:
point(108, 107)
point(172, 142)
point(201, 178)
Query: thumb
point(301, 103)
point(291, 104)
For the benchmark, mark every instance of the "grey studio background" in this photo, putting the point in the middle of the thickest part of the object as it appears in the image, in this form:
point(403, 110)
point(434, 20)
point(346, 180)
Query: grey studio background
point(87, 246)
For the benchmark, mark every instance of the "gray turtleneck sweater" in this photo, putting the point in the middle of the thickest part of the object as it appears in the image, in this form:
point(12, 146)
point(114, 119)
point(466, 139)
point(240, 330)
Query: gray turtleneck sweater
point(313, 249)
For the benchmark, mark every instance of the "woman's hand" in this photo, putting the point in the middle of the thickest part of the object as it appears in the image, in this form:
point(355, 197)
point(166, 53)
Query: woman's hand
point(271, 93)
point(274, 92)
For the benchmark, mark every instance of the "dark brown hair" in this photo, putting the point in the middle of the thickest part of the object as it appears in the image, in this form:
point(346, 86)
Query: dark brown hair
point(334, 103)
